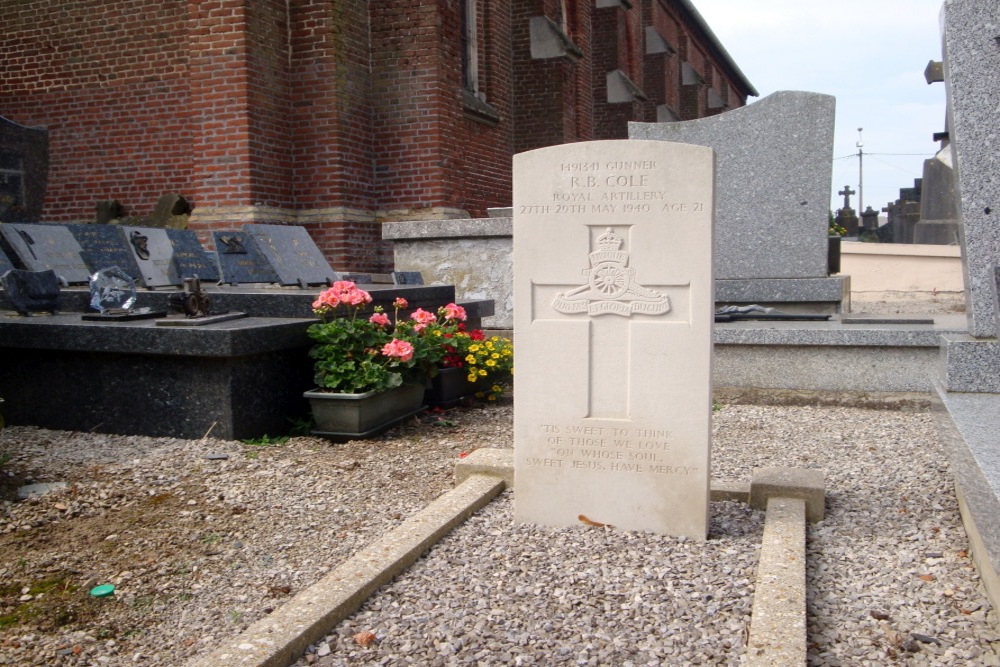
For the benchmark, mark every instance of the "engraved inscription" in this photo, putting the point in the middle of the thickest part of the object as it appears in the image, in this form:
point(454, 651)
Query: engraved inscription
point(610, 188)
point(643, 451)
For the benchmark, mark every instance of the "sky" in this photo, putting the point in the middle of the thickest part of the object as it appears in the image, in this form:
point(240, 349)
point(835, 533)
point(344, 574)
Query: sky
point(870, 55)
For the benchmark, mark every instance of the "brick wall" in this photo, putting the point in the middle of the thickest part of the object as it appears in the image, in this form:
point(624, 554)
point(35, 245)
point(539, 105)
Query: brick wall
point(332, 114)
point(110, 82)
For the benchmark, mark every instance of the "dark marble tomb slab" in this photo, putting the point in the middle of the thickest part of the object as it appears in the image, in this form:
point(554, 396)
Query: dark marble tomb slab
point(240, 261)
point(407, 278)
point(190, 258)
point(166, 256)
point(293, 254)
point(38, 247)
point(105, 246)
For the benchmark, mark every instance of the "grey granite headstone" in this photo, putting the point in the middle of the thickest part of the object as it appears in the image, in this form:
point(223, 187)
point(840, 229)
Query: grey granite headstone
point(240, 261)
point(938, 222)
point(31, 291)
point(407, 278)
point(39, 247)
point(773, 177)
point(153, 253)
point(972, 77)
point(293, 254)
point(105, 246)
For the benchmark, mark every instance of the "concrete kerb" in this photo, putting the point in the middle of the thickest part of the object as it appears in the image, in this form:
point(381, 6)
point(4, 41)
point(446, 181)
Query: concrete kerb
point(790, 497)
point(777, 632)
point(778, 618)
point(279, 639)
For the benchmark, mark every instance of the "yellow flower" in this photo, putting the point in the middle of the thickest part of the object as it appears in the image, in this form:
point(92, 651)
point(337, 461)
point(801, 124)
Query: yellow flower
point(437, 332)
point(495, 355)
point(470, 359)
point(474, 348)
point(490, 362)
point(472, 377)
point(482, 371)
point(496, 388)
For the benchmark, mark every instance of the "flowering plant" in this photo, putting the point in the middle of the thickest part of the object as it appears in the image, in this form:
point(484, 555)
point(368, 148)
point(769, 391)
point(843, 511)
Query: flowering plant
point(490, 362)
point(355, 354)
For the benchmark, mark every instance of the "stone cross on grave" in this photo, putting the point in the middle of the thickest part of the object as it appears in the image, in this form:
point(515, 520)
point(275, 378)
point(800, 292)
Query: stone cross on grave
point(847, 192)
point(607, 305)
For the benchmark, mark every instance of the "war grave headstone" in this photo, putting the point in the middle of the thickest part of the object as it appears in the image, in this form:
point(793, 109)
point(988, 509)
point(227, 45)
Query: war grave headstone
point(292, 254)
point(613, 283)
point(105, 246)
point(166, 256)
point(39, 247)
point(240, 261)
point(31, 291)
point(773, 175)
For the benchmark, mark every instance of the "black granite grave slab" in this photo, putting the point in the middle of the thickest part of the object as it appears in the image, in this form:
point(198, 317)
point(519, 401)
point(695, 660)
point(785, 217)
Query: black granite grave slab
point(293, 254)
point(38, 247)
point(407, 278)
point(237, 379)
point(190, 258)
point(31, 291)
point(240, 261)
point(5, 263)
point(105, 246)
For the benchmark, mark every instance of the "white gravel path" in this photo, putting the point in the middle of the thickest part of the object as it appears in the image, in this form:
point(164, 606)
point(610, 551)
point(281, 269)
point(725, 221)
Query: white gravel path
point(890, 579)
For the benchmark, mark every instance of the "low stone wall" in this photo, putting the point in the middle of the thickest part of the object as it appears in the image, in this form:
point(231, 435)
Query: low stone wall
point(475, 255)
point(908, 268)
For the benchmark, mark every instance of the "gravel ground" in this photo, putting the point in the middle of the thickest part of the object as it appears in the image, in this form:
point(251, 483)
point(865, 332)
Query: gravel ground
point(201, 548)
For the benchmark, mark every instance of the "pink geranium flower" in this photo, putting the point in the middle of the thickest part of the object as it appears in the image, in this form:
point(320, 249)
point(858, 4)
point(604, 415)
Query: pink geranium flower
point(454, 312)
point(327, 299)
point(421, 316)
point(398, 349)
point(379, 318)
point(400, 302)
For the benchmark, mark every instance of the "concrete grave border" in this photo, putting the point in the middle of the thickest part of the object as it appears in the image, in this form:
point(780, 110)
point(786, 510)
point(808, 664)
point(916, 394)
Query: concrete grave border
point(778, 631)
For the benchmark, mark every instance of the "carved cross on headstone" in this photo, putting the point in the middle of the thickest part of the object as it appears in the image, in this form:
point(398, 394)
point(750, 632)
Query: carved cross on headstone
point(847, 192)
point(606, 304)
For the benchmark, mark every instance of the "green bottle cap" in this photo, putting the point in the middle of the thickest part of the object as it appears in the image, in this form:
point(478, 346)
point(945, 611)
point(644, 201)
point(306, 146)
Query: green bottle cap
point(102, 591)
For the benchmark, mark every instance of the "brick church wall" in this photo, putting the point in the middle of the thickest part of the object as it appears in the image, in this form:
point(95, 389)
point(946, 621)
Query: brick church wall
point(331, 114)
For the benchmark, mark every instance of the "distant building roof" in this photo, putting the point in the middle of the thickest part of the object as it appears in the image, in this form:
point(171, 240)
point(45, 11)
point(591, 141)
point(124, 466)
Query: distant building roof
point(724, 60)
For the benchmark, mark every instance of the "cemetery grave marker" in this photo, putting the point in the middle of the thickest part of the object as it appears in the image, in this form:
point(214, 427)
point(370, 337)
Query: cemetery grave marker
point(41, 247)
point(166, 256)
point(240, 261)
point(407, 278)
point(105, 246)
point(292, 254)
point(614, 315)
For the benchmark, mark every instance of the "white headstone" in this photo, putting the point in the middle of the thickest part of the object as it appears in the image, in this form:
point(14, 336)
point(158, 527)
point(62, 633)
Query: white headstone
point(613, 308)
